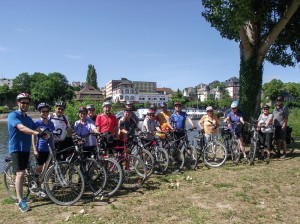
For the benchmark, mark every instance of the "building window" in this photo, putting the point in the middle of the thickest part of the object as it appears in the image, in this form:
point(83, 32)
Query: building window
point(132, 98)
point(121, 97)
point(126, 97)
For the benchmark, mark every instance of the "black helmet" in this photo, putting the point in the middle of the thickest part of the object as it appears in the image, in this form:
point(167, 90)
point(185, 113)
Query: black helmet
point(42, 105)
point(23, 96)
point(265, 106)
point(128, 102)
point(60, 104)
point(280, 98)
point(82, 109)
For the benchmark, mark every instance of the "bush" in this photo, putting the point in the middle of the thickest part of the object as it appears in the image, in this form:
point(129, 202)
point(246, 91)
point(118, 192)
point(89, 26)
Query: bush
point(294, 121)
point(4, 109)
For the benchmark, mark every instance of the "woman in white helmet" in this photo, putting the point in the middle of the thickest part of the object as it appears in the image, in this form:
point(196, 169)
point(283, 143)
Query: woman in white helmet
point(236, 121)
point(209, 123)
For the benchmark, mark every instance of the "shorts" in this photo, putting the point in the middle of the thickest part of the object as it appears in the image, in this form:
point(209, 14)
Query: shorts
point(265, 139)
point(43, 156)
point(280, 134)
point(20, 160)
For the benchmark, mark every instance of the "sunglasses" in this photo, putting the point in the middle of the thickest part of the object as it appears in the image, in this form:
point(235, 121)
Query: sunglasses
point(91, 109)
point(177, 106)
point(24, 103)
point(44, 111)
point(265, 109)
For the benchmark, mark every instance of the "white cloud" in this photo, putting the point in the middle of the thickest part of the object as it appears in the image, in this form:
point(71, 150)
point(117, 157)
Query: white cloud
point(3, 49)
point(22, 30)
point(73, 56)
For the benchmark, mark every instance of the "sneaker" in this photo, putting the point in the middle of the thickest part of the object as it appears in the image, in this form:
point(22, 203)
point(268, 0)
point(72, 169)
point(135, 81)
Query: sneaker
point(23, 206)
point(283, 156)
point(42, 194)
point(27, 200)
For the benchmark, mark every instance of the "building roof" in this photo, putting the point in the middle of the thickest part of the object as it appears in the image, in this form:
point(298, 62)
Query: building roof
point(88, 92)
point(164, 89)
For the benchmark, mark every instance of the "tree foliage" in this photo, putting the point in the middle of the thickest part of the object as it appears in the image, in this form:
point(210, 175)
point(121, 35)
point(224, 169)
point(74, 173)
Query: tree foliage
point(266, 30)
point(91, 78)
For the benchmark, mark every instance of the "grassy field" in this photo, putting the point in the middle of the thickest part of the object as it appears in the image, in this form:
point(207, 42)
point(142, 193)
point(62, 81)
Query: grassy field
point(263, 193)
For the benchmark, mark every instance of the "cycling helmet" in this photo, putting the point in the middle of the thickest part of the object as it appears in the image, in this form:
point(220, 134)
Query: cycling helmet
point(209, 108)
point(42, 105)
point(163, 104)
point(234, 104)
point(177, 103)
point(151, 112)
point(23, 96)
point(90, 106)
point(152, 107)
point(265, 106)
point(280, 98)
point(128, 102)
point(60, 104)
point(82, 109)
point(106, 103)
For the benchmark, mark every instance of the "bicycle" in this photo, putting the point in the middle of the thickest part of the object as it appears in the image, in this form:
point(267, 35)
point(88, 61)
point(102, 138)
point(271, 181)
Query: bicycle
point(95, 175)
point(150, 142)
point(133, 167)
point(235, 145)
point(62, 181)
point(113, 168)
point(290, 142)
point(181, 152)
point(213, 152)
point(254, 141)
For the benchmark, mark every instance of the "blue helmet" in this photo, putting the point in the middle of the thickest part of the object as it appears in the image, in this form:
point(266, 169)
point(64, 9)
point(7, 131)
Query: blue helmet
point(163, 104)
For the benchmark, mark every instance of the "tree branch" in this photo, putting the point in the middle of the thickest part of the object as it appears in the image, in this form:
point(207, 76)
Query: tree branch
point(270, 39)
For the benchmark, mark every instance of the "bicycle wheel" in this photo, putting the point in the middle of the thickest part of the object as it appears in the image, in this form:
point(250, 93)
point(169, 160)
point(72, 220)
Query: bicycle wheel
point(161, 158)
point(134, 172)
point(215, 154)
point(96, 176)
point(190, 157)
point(198, 145)
point(176, 160)
point(64, 183)
point(252, 152)
point(146, 156)
point(235, 152)
point(290, 145)
point(114, 176)
point(9, 178)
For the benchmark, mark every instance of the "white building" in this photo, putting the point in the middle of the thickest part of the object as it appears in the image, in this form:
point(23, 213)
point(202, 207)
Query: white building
point(7, 82)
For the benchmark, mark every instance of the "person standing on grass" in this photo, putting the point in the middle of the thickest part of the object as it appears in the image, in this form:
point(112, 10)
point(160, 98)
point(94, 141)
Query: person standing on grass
point(209, 123)
point(20, 129)
point(91, 116)
point(280, 119)
point(107, 122)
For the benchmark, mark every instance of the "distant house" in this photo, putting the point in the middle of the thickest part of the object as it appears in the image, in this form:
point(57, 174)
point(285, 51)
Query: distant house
point(233, 87)
point(166, 91)
point(89, 92)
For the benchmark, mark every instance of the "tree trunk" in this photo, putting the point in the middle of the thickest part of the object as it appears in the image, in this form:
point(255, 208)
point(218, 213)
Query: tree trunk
point(250, 86)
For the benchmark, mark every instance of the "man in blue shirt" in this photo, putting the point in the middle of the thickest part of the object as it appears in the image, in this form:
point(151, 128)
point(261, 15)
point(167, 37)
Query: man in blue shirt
point(20, 129)
point(177, 121)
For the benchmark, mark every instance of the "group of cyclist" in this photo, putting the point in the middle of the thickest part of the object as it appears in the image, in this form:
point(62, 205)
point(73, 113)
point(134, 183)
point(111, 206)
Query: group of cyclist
point(24, 132)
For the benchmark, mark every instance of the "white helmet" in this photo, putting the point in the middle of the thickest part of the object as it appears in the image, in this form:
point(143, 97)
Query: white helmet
point(106, 103)
point(234, 104)
point(209, 108)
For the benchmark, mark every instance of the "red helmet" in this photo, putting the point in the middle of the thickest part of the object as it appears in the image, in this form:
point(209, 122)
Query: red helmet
point(150, 111)
point(23, 96)
point(177, 103)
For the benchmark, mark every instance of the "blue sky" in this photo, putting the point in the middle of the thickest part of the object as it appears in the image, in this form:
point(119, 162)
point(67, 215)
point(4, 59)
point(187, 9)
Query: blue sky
point(167, 41)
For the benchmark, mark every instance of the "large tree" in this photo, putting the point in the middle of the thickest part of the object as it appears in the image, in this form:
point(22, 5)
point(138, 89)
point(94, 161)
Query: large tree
point(91, 78)
point(266, 30)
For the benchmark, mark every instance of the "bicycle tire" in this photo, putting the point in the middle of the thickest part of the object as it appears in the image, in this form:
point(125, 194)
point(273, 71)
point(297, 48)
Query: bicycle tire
point(9, 178)
point(291, 146)
point(190, 157)
point(252, 152)
point(235, 152)
point(96, 176)
point(146, 156)
point(114, 176)
point(161, 159)
point(215, 156)
point(72, 176)
point(198, 144)
point(176, 159)
point(134, 172)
